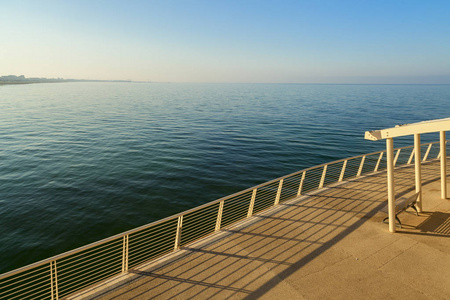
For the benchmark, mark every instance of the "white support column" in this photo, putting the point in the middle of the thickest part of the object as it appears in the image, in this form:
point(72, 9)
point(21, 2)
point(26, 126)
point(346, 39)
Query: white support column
point(390, 183)
point(418, 170)
point(443, 166)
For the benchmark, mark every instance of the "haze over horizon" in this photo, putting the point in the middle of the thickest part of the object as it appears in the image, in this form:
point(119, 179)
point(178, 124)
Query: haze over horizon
point(228, 41)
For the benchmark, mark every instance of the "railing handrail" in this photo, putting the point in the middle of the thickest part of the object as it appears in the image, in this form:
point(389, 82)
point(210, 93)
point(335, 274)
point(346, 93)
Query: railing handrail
point(53, 259)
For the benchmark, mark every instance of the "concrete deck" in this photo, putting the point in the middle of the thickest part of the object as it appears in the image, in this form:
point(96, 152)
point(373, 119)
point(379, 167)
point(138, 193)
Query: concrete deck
point(329, 245)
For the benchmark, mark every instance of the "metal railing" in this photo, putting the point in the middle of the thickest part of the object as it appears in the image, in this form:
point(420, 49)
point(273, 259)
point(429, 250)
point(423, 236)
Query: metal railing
point(70, 272)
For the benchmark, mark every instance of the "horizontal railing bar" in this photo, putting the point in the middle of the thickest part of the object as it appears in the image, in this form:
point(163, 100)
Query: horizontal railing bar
point(137, 255)
point(28, 287)
point(67, 270)
point(229, 215)
point(76, 278)
point(195, 233)
point(72, 289)
point(159, 236)
point(40, 295)
point(28, 290)
point(152, 230)
point(24, 292)
point(17, 287)
point(189, 218)
point(14, 279)
point(230, 210)
point(151, 250)
point(43, 269)
point(79, 257)
point(72, 278)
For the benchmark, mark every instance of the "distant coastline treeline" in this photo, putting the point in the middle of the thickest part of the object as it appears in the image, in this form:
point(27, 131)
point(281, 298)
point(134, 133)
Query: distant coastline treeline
point(13, 79)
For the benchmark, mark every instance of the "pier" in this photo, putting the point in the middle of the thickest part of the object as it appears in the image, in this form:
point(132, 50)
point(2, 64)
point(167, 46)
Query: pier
point(331, 243)
point(313, 234)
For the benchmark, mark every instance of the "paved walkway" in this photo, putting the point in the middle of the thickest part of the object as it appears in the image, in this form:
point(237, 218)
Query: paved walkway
point(329, 245)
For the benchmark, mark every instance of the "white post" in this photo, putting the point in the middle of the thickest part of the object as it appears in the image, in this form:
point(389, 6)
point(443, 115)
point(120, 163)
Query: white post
point(53, 281)
point(396, 156)
point(252, 204)
point(361, 165)
point(418, 170)
point(378, 162)
point(178, 235)
point(277, 198)
point(426, 153)
point(219, 215)
point(322, 180)
point(443, 166)
point(390, 182)
point(341, 176)
point(411, 157)
point(125, 254)
point(300, 186)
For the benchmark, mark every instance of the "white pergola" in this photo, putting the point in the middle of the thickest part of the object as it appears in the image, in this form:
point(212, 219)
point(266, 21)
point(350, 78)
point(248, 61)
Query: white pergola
point(416, 129)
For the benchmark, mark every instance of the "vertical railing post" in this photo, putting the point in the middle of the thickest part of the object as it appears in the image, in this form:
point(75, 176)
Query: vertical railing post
point(322, 179)
point(219, 215)
point(300, 186)
point(361, 165)
point(53, 280)
point(412, 155)
point(418, 170)
point(277, 198)
point(125, 254)
point(178, 235)
point(378, 162)
point(341, 176)
point(426, 153)
point(390, 183)
point(252, 204)
point(396, 156)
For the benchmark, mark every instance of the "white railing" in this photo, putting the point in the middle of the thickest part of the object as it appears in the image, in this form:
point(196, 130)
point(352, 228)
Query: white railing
point(67, 273)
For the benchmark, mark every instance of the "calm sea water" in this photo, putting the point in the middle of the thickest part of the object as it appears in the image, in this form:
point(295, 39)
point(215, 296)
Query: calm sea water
point(83, 161)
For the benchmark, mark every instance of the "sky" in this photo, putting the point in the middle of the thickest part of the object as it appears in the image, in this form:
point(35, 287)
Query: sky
point(245, 41)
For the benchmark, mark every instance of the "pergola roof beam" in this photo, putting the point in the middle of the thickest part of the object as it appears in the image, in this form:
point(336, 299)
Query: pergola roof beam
point(409, 129)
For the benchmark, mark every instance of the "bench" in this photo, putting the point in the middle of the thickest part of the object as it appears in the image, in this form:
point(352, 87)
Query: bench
point(401, 204)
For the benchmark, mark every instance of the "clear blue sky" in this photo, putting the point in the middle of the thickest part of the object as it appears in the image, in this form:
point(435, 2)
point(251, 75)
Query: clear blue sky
point(228, 41)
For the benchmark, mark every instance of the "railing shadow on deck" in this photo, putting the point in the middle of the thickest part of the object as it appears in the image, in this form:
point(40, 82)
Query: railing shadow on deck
point(79, 269)
point(281, 243)
point(304, 230)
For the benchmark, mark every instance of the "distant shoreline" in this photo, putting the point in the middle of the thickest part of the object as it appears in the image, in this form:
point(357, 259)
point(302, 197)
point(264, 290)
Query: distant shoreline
point(13, 79)
point(66, 81)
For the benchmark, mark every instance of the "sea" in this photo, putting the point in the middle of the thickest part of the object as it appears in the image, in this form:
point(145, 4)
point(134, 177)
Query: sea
point(82, 161)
